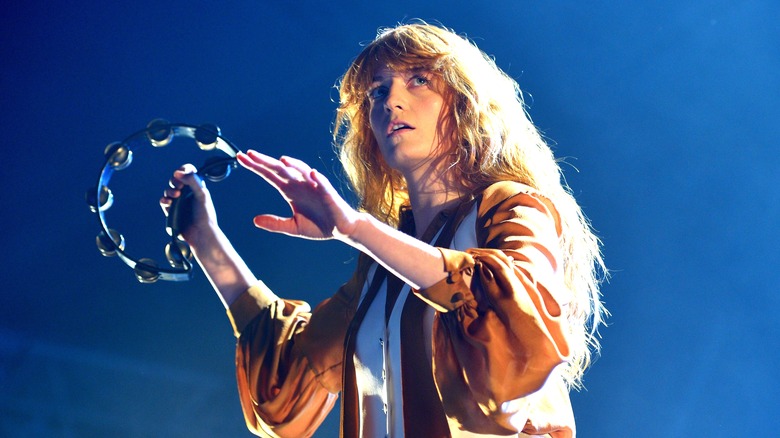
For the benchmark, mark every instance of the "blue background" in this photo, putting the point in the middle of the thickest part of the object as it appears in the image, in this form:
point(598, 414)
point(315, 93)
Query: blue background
point(664, 111)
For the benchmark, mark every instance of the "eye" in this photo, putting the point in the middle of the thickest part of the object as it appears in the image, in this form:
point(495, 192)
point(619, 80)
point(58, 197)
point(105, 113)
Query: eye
point(419, 81)
point(377, 92)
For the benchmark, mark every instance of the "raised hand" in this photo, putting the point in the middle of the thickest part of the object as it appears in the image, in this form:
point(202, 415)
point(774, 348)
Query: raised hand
point(204, 217)
point(318, 212)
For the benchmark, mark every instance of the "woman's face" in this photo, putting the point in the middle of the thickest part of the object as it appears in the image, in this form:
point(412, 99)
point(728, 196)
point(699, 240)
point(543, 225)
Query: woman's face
point(405, 112)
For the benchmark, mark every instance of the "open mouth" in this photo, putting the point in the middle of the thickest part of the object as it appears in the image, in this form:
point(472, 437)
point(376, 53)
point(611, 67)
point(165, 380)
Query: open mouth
point(397, 127)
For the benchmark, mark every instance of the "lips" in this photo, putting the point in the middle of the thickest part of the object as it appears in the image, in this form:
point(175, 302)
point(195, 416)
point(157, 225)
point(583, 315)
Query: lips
point(397, 126)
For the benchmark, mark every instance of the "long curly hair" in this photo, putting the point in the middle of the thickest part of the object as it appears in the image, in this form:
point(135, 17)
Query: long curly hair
point(494, 140)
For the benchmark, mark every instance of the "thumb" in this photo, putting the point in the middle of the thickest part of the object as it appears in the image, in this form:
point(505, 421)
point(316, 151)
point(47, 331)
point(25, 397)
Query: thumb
point(188, 176)
point(276, 224)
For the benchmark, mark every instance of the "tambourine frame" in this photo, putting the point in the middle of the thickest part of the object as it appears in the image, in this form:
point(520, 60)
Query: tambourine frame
point(158, 133)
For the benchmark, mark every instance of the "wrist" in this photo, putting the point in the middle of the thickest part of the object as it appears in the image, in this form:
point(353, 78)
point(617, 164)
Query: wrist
point(354, 234)
point(202, 238)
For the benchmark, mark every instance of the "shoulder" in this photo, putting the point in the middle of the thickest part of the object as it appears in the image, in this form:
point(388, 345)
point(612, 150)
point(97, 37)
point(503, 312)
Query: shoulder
point(504, 197)
point(503, 190)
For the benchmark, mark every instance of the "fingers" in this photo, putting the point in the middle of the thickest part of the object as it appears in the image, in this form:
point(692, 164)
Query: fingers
point(321, 181)
point(262, 165)
point(165, 204)
point(185, 175)
point(296, 166)
point(279, 173)
point(275, 224)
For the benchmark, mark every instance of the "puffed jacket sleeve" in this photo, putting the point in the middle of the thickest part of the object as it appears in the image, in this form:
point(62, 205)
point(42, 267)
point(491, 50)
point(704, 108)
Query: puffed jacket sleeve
point(499, 333)
point(288, 359)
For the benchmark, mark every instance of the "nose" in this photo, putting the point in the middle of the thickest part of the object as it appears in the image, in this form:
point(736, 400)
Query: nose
point(396, 96)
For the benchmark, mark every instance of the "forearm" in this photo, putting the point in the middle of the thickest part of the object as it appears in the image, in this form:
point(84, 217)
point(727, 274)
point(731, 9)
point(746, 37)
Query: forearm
point(417, 263)
point(225, 269)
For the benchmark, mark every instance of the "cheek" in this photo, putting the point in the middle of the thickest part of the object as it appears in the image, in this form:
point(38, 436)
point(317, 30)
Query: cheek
point(438, 107)
point(438, 116)
point(374, 121)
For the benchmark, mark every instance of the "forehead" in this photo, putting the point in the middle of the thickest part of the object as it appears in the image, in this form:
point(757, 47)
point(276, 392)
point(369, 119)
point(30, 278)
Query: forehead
point(385, 59)
point(387, 72)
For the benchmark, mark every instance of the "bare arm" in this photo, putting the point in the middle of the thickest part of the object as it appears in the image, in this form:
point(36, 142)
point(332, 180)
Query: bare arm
point(319, 212)
point(224, 268)
point(417, 263)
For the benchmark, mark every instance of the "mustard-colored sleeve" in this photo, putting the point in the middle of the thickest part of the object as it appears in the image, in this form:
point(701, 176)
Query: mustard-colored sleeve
point(499, 332)
point(288, 359)
point(257, 299)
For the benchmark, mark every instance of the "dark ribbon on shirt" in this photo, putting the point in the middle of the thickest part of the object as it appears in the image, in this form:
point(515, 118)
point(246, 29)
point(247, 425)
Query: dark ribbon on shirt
point(423, 412)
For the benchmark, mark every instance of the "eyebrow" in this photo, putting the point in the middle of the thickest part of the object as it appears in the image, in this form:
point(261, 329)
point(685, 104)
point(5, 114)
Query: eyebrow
point(412, 71)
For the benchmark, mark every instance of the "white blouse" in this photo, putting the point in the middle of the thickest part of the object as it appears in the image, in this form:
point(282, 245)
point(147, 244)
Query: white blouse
point(377, 355)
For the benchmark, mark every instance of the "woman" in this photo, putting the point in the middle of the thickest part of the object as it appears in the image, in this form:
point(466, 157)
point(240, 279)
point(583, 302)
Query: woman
point(474, 304)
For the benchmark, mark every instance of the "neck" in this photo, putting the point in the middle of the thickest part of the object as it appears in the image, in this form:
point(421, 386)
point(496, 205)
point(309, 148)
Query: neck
point(428, 197)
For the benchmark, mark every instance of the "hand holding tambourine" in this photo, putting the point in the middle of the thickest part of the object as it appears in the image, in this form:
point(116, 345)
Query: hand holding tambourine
point(159, 133)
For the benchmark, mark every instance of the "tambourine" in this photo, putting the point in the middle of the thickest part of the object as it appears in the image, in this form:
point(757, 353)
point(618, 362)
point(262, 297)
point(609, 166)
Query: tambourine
point(119, 155)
